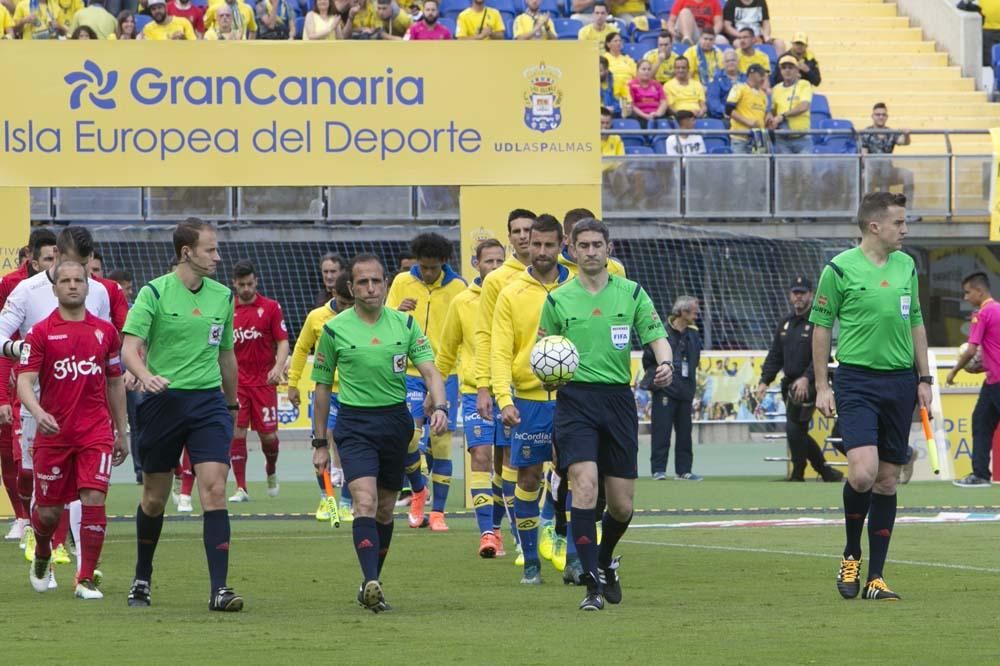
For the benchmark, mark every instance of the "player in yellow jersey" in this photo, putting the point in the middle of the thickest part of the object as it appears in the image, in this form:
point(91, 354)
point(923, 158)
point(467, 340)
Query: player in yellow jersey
point(526, 407)
point(566, 258)
point(458, 340)
point(519, 223)
point(425, 292)
point(308, 338)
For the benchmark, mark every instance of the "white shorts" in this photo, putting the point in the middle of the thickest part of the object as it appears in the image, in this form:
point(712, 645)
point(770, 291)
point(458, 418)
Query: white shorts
point(28, 429)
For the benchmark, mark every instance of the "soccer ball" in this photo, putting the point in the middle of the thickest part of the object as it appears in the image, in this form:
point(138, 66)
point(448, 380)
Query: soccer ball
point(975, 366)
point(554, 359)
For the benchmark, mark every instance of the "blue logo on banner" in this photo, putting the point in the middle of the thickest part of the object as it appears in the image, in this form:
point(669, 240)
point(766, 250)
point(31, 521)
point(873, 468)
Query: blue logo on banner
point(87, 80)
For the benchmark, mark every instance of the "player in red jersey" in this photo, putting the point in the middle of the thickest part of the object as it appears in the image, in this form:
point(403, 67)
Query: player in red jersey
point(261, 345)
point(40, 254)
point(116, 295)
point(75, 358)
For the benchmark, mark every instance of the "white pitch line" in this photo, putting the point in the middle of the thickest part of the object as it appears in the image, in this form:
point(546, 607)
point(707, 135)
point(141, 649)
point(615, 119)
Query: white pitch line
point(800, 553)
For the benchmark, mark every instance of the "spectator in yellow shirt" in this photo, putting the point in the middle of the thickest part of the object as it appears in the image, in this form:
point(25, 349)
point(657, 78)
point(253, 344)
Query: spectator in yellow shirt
point(611, 144)
point(95, 17)
point(244, 18)
point(684, 93)
point(126, 26)
point(746, 107)
point(65, 10)
point(163, 26)
point(662, 58)
point(391, 23)
point(479, 22)
point(6, 23)
point(626, 10)
point(990, 9)
point(620, 64)
point(534, 24)
point(792, 100)
point(704, 58)
point(600, 28)
point(223, 29)
point(749, 55)
point(39, 22)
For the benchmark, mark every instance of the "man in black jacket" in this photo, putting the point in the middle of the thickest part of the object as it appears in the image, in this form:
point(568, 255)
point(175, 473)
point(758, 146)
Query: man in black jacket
point(807, 64)
point(672, 404)
point(791, 352)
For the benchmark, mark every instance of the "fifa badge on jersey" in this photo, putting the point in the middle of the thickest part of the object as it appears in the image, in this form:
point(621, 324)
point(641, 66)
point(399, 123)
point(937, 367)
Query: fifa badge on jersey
point(215, 335)
point(620, 336)
point(25, 353)
point(399, 363)
point(542, 98)
point(904, 306)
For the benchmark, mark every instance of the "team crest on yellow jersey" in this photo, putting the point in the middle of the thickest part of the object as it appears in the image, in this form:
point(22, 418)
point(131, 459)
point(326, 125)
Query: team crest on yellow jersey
point(542, 98)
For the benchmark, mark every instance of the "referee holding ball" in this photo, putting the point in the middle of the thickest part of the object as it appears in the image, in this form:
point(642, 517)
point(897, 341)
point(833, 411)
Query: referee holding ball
point(185, 320)
point(369, 346)
point(872, 290)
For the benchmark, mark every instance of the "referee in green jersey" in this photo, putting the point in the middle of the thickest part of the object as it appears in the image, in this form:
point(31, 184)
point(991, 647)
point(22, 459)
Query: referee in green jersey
point(872, 291)
point(185, 321)
point(369, 346)
point(596, 428)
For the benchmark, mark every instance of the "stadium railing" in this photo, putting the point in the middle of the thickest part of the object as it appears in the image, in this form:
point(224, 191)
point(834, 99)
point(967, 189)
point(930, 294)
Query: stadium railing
point(652, 185)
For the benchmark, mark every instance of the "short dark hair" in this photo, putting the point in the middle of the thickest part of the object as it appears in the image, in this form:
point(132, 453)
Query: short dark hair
point(605, 111)
point(77, 240)
point(243, 268)
point(707, 31)
point(334, 257)
point(573, 216)
point(186, 234)
point(874, 206)
point(365, 258)
point(59, 266)
point(680, 59)
point(978, 280)
point(83, 28)
point(590, 224)
point(97, 255)
point(340, 287)
point(431, 246)
point(38, 239)
point(880, 105)
point(604, 61)
point(487, 244)
point(120, 275)
point(666, 33)
point(546, 223)
point(519, 214)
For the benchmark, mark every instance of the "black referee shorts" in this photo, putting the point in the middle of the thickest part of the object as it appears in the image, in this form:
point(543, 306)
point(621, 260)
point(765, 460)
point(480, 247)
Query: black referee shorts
point(598, 423)
point(373, 441)
point(875, 407)
point(176, 418)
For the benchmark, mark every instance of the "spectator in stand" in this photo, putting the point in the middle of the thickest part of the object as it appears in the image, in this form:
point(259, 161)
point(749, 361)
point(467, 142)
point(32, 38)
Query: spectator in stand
point(792, 101)
point(330, 265)
point(804, 60)
point(95, 17)
point(190, 11)
point(704, 58)
point(683, 93)
point(600, 28)
point(725, 80)
point(164, 26)
point(612, 89)
point(747, 108)
point(244, 18)
point(685, 144)
point(883, 141)
point(83, 32)
point(750, 55)
point(611, 144)
point(37, 21)
point(224, 29)
point(391, 23)
point(533, 23)
point(428, 27)
point(626, 10)
point(753, 14)
point(662, 57)
point(65, 10)
point(323, 23)
point(6, 23)
point(275, 20)
point(689, 18)
point(479, 22)
point(126, 26)
point(990, 11)
point(649, 102)
point(620, 64)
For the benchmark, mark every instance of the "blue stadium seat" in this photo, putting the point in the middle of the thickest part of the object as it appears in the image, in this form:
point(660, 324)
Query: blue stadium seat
point(820, 106)
point(772, 54)
point(660, 144)
point(717, 144)
point(635, 50)
point(448, 22)
point(709, 124)
point(647, 40)
point(141, 20)
point(661, 7)
point(680, 48)
point(665, 123)
point(452, 8)
point(840, 143)
point(836, 146)
point(717, 149)
point(300, 26)
point(995, 61)
point(553, 7)
point(629, 124)
point(502, 6)
point(567, 28)
point(638, 150)
point(199, 3)
point(633, 32)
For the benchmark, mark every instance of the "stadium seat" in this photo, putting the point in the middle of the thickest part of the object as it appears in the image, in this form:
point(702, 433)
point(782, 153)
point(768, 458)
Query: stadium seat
point(638, 150)
point(448, 22)
point(199, 3)
point(842, 143)
point(629, 124)
point(717, 149)
point(660, 144)
point(643, 25)
point(666, 123)
point(836, 146)
point(567, 28)
point(635, 50)
point(661, 8)
point(709, 124)
point(553, 7)
point(995, 61)
point(680, 48)
point(300, 26)
point(502, 6)
point(452, 8)
point(141, 20)
point(772, 54)
point(820, 107)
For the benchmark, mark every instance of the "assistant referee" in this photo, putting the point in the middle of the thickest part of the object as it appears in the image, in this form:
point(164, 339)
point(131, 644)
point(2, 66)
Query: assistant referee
point(596, 428)
point(185, 320)
point(368, 346)
point(872, 290)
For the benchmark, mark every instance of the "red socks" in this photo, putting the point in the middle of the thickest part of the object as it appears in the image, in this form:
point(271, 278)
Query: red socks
point(270, 451)
point(43, 536)
point(238, 459)
point(92, 531)
point(25, 487)
point(61, 530)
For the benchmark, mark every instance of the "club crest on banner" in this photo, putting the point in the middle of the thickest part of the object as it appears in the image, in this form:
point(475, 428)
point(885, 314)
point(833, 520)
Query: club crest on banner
point(542, 99)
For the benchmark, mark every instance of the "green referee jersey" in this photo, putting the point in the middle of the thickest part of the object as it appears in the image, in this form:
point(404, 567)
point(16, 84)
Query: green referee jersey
point(370, 358)
point(600, 325)
point(183, 329)
point(877, 308)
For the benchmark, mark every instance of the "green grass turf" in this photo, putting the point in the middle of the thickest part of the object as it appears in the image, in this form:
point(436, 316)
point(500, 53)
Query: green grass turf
point(692, 595)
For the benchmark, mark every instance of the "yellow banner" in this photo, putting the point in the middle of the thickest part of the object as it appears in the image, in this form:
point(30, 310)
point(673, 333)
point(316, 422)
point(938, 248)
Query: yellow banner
point(995, 189)
point(282, 113)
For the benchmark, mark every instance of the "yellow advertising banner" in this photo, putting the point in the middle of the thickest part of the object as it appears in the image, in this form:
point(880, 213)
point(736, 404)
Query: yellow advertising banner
point(288, 113)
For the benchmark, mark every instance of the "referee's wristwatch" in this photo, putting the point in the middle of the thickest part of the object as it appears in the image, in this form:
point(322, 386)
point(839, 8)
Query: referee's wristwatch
point(320, 443)
point(926, 379)
point(670, 363)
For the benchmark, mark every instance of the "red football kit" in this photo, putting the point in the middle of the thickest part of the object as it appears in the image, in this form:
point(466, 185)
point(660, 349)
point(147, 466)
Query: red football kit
point(258, 326)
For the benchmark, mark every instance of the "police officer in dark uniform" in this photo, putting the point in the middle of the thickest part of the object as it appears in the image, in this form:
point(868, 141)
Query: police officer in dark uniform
point(791, 352)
